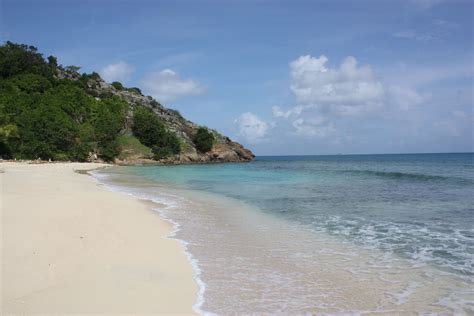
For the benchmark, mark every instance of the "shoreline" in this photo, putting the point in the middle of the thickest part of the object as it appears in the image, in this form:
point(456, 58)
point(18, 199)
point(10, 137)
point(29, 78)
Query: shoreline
point(223, 234)
point(127, 163)
point(160, 207)
point(108, 253)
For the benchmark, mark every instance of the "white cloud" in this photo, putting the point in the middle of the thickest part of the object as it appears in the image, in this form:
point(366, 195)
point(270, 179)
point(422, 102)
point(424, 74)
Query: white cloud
point(295, 111)
point(414, 35)
point(303, 120)
point(313, 126)
point(251, 127)
point(120, 71)
point(348, 90)
point(167, 85)
point(405, 97)
point(326, 96)
point(436, 31)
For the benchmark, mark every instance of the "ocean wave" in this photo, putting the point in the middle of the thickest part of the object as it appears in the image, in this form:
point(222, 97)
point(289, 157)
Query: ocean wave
point(408, 176)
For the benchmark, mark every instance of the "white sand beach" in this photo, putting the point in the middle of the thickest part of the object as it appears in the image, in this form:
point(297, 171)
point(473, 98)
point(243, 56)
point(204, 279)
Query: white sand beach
point(68, 245)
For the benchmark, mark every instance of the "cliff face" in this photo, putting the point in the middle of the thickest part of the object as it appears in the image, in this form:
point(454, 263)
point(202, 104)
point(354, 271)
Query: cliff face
point(223, 150)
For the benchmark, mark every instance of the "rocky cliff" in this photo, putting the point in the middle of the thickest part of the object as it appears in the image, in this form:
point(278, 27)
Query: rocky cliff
point(223, 149)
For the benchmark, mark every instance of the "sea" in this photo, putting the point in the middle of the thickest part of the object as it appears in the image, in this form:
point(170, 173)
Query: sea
point(341, 234)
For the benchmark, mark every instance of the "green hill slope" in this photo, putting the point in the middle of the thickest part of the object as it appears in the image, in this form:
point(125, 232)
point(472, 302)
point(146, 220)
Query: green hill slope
point(53, 112)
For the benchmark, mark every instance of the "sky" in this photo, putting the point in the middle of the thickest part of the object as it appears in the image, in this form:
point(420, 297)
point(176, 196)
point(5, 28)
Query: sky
point(281, 77)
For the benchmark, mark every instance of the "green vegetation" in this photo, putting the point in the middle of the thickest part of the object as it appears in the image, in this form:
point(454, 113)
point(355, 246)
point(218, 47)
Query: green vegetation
point(135, 89)
point(151, 132)
point(177, 114)
point(42, 116)
point(203, 140)
point(131, 147)
point(184, 147)
point(117, 85)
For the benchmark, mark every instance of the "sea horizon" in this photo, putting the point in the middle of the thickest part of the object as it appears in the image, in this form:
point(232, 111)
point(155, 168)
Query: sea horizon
point(367, 154)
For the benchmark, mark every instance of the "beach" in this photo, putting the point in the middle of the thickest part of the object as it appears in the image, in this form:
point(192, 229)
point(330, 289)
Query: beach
point(320, 234)
point(69, 245)
point(291, 235)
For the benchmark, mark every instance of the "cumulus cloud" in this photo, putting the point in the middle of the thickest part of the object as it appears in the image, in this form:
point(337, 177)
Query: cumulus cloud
point(120, 71)
point(303, 120)
point(313, 126)
point(346, 90)
point(326, 96)
point(167, 85)
point(251, 127)
point(295, 111)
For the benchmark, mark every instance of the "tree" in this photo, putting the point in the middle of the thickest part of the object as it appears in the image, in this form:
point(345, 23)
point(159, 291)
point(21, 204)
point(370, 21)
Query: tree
point(147, 127)
point(117, 85)
point(108, 121)
point(52, 62)
point(203, 140)
point(135, 89)
point(31, 83)
point(151, 132)
point(72, 68)
point(47, 132)
point(19, 58)
point(8, 135)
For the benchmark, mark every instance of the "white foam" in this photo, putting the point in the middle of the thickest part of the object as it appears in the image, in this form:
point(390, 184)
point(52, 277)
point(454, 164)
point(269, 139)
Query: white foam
point(168, 203)
point(402, 297)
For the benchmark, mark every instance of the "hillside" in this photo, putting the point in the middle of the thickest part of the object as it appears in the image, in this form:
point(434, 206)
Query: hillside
point(53, 112)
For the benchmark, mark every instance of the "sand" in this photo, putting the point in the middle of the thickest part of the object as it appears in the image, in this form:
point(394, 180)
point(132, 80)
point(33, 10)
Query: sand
point(68, 245)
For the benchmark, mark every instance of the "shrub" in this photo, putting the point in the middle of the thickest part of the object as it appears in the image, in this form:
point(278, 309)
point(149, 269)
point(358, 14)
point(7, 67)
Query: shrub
point(52, 62)
point(108, 121)
point(95, 76)
point(203, 140)
point(117, 85)
point(109, 150)
point(147, 127)
point(135, 89)
point(72, 68)
point(31, 83)
point(151, 132)
point(177, 114)
point(20, 58)
point(155, 103)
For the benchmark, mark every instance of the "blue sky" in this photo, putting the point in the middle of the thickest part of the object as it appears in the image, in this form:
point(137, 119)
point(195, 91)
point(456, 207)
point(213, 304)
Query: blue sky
point(282, 77)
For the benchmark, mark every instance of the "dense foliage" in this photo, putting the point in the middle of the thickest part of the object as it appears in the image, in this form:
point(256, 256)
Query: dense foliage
point(203, 140)
point(44, 117)
point(117, 85)
point(151, 132)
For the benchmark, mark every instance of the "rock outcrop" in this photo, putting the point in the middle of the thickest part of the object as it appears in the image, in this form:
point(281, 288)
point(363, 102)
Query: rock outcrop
point(223, 150)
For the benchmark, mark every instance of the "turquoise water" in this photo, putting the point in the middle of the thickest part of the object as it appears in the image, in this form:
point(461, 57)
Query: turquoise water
point(415, 209)
point(419, 206)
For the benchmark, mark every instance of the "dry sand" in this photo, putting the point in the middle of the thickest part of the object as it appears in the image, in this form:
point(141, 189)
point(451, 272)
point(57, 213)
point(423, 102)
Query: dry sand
point(68, 245)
